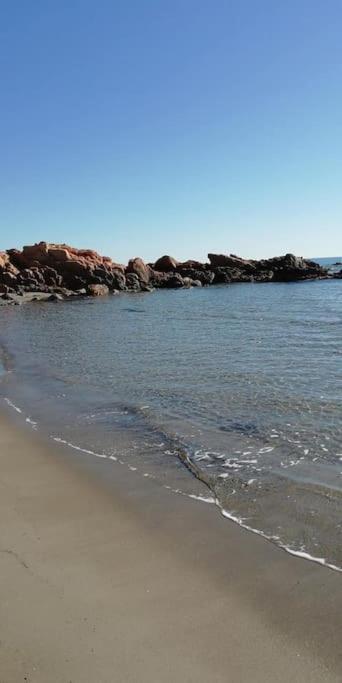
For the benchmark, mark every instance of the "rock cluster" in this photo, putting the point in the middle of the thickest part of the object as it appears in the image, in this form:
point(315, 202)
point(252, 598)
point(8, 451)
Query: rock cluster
point(62, 270)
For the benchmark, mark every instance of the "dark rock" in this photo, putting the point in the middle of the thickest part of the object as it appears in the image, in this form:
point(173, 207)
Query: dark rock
point(118, 280)
point(73, 282)
point(231, 261)
point(206, 277)
point(172, 281)
point(133, 282)
point(9, 279)
point(263, 276)
point(221, 275)
point(194, 265)
point(139, 268)
point(290, 268)
point(165, 264)
point(51, 277)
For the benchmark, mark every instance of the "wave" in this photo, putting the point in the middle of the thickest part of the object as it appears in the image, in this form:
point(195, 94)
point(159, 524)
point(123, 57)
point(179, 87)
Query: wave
point(173, 445)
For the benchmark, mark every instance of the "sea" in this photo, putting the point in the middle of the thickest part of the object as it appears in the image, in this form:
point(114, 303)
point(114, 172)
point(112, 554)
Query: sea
point(231, 395)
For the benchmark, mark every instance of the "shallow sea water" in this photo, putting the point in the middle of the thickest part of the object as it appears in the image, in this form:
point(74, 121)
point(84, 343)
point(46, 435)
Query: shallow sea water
point(240, 384)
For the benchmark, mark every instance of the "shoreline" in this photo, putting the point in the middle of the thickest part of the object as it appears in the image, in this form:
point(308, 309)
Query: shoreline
point(175, 591)
point(55, 272)
point(206, 492)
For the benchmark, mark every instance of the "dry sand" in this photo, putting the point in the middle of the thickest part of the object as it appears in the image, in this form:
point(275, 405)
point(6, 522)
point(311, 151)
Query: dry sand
point(107, 577)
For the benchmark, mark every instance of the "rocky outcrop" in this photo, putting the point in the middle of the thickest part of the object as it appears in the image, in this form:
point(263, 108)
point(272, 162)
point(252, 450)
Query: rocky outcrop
point(286, 268)
point(165, 264)
point(45, 265)
point(59, 269)
point(231, 261)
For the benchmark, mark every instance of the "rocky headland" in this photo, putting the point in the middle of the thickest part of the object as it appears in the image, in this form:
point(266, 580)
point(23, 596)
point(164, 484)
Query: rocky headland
point(58, 271)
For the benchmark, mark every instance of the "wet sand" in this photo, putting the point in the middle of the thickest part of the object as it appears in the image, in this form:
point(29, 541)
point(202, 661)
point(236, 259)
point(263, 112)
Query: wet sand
point(106, 576)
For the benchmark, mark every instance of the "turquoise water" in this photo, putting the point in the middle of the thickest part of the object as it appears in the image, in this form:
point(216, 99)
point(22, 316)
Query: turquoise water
point(242, 382)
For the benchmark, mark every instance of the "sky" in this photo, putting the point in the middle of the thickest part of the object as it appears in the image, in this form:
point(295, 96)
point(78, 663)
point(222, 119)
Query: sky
point(145, 127)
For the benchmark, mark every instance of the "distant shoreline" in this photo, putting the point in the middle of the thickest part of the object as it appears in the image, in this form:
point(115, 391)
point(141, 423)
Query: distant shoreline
point(57, 271)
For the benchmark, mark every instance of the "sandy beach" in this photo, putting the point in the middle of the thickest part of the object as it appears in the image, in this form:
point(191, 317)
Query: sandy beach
point(106, 576)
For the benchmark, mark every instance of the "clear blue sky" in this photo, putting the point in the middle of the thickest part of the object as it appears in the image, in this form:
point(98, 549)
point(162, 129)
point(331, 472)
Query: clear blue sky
point(142, 127)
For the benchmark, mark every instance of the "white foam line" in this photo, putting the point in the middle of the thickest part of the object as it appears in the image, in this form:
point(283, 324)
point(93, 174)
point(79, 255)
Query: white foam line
point(13, 405)
point(18, 410)
point(229, 515)
point(78, 448)
point(297, 553)
point(31, 422)
point(203, 499)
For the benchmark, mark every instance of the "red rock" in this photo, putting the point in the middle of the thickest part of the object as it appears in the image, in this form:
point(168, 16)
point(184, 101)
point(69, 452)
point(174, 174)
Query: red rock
point(139, 267)
point(59, 254)
point(4, 259)
point(231, 261)
point(165, 264)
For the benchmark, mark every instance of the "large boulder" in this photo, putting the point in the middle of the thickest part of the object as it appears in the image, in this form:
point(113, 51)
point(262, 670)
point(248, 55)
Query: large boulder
point(194, 265)
point(172, 281)
point(165, 264)
point(290, 268)
point(139, 268)
point(65, 260)
point(231, 261)
point(36, 252)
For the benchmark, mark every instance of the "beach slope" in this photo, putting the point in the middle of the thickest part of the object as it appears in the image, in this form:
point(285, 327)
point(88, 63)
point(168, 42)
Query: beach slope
point(113, 578)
